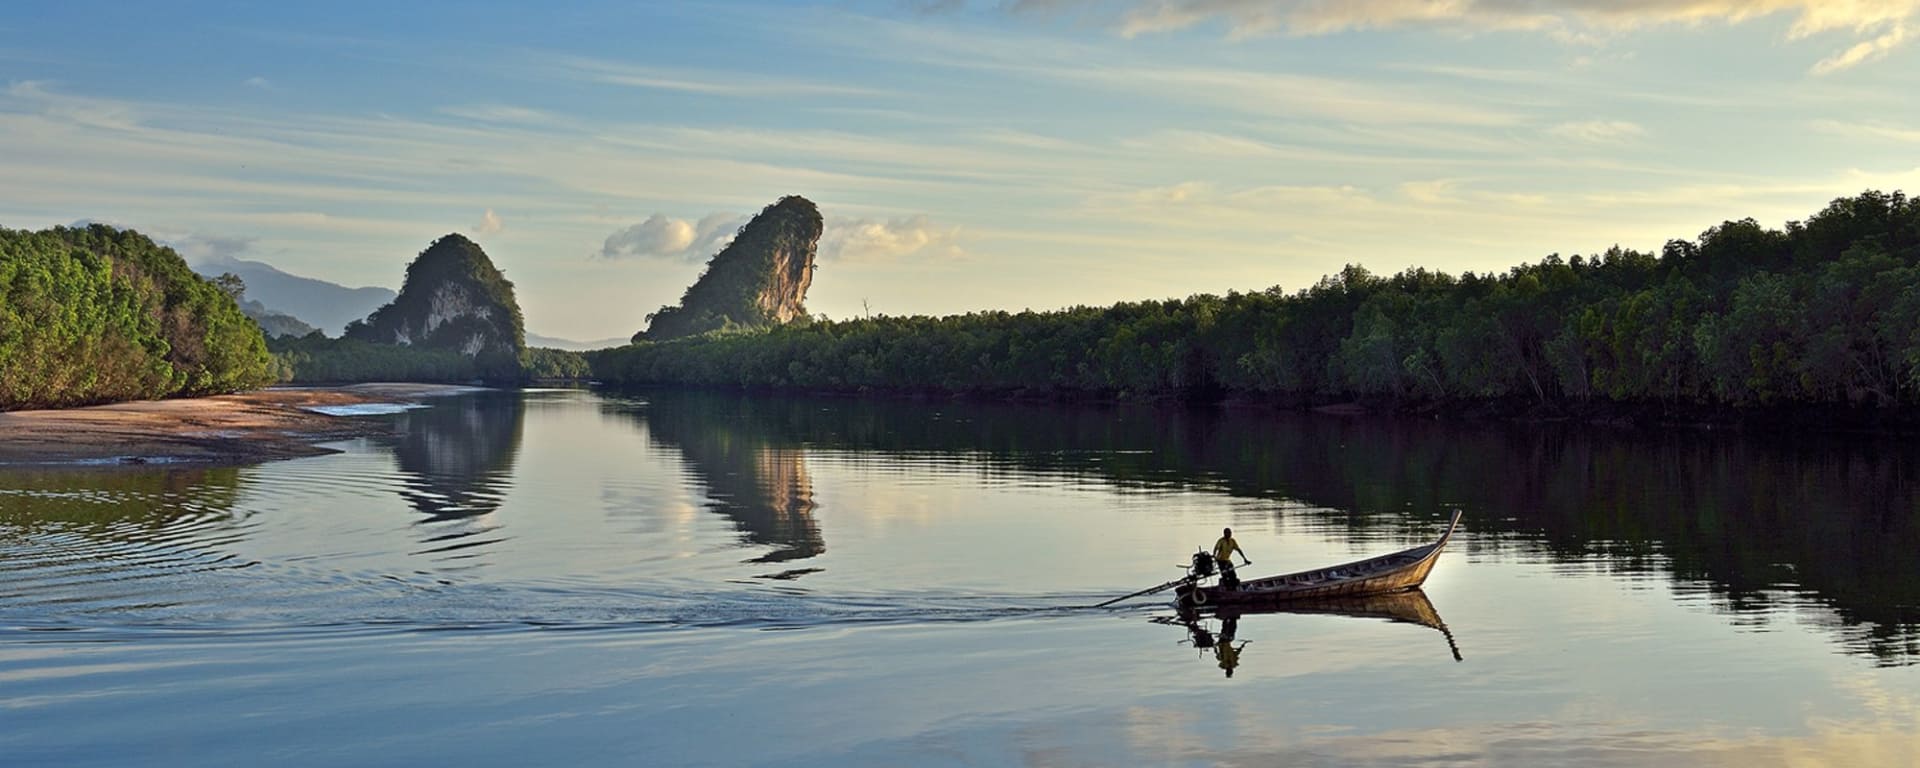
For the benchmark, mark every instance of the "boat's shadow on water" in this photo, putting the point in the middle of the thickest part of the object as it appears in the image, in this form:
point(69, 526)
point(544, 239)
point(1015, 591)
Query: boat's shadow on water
point(1218, 629)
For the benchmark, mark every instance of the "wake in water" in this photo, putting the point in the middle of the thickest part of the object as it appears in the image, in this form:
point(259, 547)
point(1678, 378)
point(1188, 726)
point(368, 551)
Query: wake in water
point(251, 603)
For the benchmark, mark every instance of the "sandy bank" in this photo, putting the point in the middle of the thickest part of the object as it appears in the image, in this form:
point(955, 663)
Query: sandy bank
point(226, 429)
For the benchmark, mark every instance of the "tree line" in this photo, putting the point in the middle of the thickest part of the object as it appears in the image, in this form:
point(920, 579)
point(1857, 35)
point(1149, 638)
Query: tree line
point(318, 359)
point(1823, 312)
point(97, 314)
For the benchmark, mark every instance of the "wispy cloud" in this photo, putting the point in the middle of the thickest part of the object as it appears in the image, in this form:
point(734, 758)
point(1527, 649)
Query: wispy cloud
point(92, 113)
point(1864, 51)
point(1599, 131)
point(1869, 130)
point(1264, 93)
point(1283, 94)
point(1883, 23)
point(1315, 17)
point(259, 82)
point(708, 82)
point(501, 113)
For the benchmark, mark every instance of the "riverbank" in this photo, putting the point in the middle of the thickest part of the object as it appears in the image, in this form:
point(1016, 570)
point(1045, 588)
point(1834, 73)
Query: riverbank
point(243, 428)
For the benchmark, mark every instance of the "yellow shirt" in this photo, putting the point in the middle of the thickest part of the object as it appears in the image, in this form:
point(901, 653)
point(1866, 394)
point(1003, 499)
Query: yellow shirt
point(1225, 547)
point(1228, 656)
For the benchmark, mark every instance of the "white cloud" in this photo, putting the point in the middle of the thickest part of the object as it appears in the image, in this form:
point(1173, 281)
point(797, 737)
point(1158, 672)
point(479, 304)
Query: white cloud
point(202, 248)
point(489, 223)
point(875, 239)
point(662, 236)
point(258, 82)
point(657, 236)
point(1599, 131)
point(713, 232)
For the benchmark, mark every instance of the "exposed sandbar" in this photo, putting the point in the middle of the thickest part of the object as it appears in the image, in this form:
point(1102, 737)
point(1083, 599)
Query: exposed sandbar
point(225, 429)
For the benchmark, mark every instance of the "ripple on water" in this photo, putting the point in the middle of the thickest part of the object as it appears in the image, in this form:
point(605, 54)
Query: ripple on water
point(119, 552)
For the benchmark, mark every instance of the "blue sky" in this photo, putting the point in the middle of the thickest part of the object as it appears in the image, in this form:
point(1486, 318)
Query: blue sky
point(967, 155)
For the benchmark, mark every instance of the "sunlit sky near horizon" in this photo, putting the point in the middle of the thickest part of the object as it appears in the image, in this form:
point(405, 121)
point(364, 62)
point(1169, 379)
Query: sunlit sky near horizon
point(966, 155)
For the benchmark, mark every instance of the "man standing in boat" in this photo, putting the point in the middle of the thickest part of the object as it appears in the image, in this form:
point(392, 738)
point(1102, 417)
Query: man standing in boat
point(1223, 555)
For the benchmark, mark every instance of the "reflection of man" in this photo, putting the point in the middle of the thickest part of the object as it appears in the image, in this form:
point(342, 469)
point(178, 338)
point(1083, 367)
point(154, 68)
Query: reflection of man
point(1228, 655)
point(1226, 652)
point(1223, 554)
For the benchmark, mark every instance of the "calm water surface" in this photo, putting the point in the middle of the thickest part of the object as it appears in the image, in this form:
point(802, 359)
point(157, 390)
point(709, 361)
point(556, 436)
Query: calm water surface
point(566, 577)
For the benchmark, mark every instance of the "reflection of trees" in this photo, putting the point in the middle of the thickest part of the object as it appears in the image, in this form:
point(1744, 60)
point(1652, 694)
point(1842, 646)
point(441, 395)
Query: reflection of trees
point(457, 454)
point(755, 474)
point(68, 536)
point(116, 499)
point(1752, 520)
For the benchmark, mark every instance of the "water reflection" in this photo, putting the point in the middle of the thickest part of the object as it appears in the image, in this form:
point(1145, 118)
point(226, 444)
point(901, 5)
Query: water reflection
point(1821, 528)
point(753, 472)
point(97, 539)
point(456, 456)
point(112, 498)
point(1215, 630)
point(1224, 645)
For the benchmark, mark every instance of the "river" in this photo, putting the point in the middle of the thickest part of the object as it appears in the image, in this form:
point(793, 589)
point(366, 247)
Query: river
point(566, 577)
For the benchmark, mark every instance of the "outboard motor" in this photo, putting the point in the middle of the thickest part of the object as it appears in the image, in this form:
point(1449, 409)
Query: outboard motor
point(1202, 565)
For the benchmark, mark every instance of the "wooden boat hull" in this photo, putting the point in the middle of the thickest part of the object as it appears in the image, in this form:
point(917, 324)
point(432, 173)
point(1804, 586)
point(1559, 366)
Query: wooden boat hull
point(1393, 572)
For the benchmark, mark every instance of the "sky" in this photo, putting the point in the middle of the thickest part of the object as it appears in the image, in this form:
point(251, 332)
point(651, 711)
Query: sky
point(1031, 154)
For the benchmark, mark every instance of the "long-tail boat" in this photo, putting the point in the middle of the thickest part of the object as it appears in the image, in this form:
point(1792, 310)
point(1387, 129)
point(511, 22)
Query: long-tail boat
point(1395, 572)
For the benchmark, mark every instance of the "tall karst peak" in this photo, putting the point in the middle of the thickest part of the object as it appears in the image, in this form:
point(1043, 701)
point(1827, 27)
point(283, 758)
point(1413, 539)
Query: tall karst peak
point(759, 279)
point(453, 299)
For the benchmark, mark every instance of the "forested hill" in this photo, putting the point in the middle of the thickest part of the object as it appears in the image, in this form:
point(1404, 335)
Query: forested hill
point(454, 300)
point(1824, 312)
point(758, 280)
point(100, 314)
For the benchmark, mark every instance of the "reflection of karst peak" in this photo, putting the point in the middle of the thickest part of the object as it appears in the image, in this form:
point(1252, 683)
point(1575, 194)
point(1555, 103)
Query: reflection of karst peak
point(752, 478)
point(457, 455)
point(788, 494)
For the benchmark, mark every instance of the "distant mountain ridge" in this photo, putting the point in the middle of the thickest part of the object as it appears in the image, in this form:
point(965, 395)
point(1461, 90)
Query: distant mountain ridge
point(274, 323)
point(327, 306)
point(555, 342)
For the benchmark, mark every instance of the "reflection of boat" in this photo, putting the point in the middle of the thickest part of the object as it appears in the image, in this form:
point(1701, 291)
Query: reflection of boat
point(1405, 607)
point(1395, 572)
point(1409, 606)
